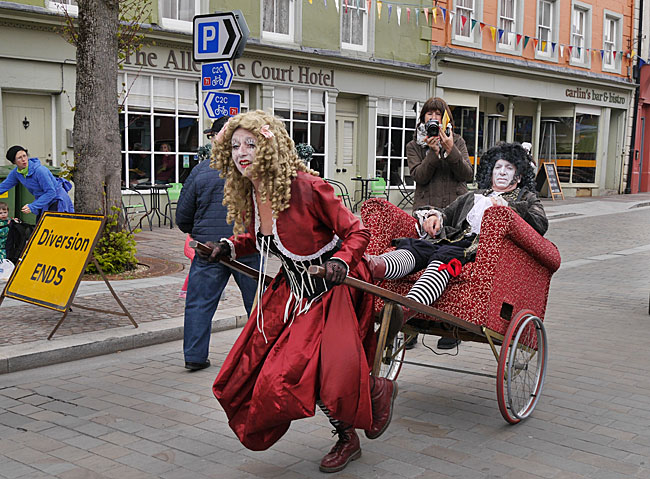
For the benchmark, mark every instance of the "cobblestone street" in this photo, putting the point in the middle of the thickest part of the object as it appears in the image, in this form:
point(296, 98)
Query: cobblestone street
point(139, 414)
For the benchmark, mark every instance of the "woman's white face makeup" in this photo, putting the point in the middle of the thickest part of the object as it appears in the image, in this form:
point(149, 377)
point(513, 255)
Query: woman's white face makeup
point(503, 176)
point(244, 148)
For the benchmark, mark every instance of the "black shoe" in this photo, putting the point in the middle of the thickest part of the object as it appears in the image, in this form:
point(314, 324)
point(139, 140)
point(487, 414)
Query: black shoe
point(448, 343)
point(197, 366)
point(410, 344)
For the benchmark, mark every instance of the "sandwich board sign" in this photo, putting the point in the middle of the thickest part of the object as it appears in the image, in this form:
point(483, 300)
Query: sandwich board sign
point(50, 268)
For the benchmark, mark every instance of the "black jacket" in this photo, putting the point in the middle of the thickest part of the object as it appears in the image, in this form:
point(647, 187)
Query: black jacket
point(199, 211)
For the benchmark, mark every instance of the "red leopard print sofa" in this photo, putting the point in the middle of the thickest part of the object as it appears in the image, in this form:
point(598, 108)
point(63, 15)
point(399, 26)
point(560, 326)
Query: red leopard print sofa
point(512, 270)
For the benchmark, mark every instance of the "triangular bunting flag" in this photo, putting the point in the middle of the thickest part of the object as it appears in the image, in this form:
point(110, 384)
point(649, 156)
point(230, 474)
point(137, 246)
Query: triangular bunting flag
point(417, 17)
point(408, 15)
point(336, 2)
point(434, 10)
point(602, 54)
point(451, 17)
point(426, 15)
point(399, 15)
point(518, 38)
point(535, 42)
point(561, 50)
point(570, 49)
point(346, 6)
point(614, 54)
point(579, 51)
point(310, 2)
point(493, 32)
point(553, 46)
point(501, 32)
point(444, 13)
point(481, 26)
point(633, 54)
point(641, 62)
point(473, 25)
point(325, 2)
point(379, 4)
point(544, 45)
point(463, 20)
point(390, 11)
point(526, 38)
point(368, 5)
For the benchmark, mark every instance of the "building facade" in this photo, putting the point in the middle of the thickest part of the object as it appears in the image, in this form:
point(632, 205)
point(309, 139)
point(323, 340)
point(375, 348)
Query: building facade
point(553, 73)
point(349, 77)
point(345, 82)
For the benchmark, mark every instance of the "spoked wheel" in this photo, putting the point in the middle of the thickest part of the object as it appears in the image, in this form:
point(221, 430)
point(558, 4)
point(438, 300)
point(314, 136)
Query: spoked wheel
point(391, 361)
point(389, 356)
point(522, 367)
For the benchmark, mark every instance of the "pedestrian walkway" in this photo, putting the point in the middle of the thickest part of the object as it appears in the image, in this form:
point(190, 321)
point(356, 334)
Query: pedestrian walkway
point(156, 306)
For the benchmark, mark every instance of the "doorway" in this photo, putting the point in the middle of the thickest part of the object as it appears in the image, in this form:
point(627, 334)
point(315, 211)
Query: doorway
point(345, 155)
point(27, 121)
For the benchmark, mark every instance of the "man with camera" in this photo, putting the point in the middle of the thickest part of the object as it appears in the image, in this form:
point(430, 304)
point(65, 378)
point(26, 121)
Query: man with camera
point(439, 164)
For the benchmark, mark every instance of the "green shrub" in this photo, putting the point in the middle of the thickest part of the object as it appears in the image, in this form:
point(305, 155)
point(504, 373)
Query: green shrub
point(115, 250)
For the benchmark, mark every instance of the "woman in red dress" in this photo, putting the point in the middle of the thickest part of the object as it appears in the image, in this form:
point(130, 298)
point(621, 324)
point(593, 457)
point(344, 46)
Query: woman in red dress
point(310, 340)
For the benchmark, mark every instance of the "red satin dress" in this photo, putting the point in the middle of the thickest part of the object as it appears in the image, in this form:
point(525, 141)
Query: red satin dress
point(307, 342)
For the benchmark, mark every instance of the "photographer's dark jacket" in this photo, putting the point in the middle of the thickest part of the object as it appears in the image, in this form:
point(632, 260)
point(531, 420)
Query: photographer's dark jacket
point(439, 179)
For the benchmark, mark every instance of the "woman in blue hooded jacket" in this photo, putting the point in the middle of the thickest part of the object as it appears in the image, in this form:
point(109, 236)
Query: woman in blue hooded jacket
point(50, 193)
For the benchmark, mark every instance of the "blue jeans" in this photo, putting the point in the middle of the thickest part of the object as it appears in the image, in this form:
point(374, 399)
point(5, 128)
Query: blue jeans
point(206, 283)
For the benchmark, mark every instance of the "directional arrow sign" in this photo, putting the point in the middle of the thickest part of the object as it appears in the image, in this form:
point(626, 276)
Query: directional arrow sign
point(216, 76)
point(216, 36)
point(221, 104)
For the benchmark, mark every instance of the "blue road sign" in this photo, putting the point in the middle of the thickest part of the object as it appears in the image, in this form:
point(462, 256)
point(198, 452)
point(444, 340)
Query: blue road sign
point(216, 76)
point(221, 104)
point(216, 36)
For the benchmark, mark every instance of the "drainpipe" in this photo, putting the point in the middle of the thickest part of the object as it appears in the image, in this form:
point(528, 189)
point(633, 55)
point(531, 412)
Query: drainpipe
point(637, 79)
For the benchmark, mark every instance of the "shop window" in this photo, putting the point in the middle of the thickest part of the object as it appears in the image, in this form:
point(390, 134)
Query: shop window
point(580, 34)
point(523, 131)
point(178, 14)
point(547, 29)
point(303, 111)
point(509, 11)
point(61, 6)
point(278, 20)
point(465, 12)
point(354, 26)
point(583, 166)
point(396, 122)
point(159, 128)
point(612, 39)
point(556, 144)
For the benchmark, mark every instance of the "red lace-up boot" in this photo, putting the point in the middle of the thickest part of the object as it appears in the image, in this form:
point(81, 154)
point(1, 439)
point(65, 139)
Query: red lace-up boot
point(346, 449)
point(382, 396)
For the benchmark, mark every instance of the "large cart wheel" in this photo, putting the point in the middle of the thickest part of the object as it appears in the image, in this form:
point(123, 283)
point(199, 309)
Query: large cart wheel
point(522, 367)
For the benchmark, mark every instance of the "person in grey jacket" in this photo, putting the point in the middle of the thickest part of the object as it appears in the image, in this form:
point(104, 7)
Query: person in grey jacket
point(201, 214)
point(439, 165)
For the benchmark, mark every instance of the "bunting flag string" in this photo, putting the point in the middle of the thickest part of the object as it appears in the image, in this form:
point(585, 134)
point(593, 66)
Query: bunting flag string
point(435, 10)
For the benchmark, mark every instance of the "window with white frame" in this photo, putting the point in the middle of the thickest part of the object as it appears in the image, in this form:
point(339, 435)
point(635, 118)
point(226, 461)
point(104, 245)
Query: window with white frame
point(60, 6)
point(396, 122)
point(508, 23)
point(580, 33)
point(546, 28)
point(178, 14)
point(354, 26)
point(464, 8)
point(304, 114)
point(159, 128)
point(612, 34)
point(278, 20)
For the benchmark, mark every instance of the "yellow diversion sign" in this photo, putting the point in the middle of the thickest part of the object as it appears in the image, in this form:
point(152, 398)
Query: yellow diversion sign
point(54, 259)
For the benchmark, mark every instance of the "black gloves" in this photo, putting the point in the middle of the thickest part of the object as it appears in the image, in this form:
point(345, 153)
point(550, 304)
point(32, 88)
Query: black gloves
point(335, 271)
point(222, 248)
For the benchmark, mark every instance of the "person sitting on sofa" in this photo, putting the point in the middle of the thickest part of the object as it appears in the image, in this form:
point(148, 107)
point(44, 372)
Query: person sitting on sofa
point(449, 236)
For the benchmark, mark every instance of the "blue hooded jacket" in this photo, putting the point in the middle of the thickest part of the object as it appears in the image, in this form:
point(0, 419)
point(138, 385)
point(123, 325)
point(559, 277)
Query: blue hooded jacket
point(200, 211)
point(41, 183)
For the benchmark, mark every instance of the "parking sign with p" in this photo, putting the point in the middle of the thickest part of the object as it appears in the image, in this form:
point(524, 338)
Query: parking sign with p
point(216, 36)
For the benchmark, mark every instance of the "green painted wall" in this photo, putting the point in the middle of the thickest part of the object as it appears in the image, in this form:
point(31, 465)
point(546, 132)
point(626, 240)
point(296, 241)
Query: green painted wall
point(321, 25)
point(400, 42)
point(250, 9)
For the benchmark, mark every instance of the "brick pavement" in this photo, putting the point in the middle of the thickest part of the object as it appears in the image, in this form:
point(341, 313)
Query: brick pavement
point(139, 414)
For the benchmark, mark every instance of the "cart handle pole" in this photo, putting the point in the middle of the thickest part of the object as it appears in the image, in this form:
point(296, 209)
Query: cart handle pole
point(387, 295)
point(231, 263)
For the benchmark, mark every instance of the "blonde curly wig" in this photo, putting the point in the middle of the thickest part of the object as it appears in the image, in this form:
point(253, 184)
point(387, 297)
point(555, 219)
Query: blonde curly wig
point(276, 164)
